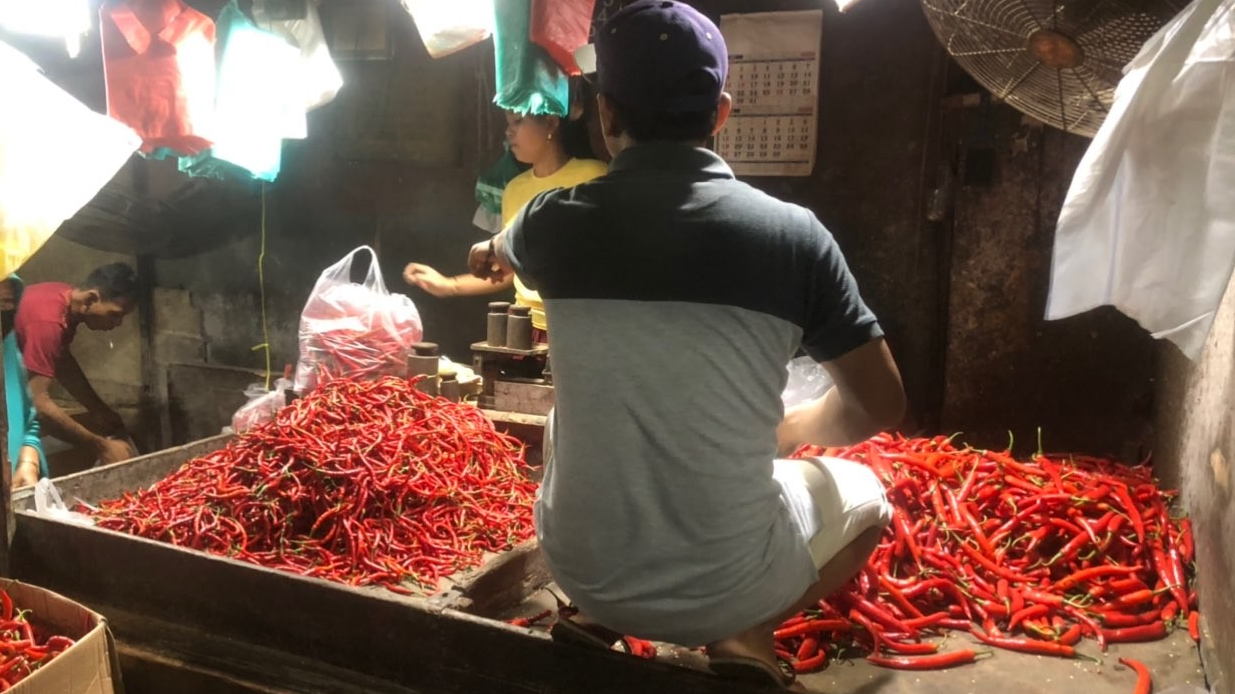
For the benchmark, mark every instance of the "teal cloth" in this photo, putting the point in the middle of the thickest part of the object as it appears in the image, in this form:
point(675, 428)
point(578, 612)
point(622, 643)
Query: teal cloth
point(492, 183)
point(529, 82)
point(22, 417)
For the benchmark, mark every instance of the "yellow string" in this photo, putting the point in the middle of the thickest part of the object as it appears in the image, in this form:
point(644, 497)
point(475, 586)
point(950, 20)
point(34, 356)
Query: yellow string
point(261, 280)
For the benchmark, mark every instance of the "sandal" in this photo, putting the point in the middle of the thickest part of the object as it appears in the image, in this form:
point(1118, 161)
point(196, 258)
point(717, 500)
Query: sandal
point(751, 671)
point(590, 636)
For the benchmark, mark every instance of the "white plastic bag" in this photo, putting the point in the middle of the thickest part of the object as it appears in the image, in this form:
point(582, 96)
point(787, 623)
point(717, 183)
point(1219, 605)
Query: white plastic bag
point(1148, 225)
point(449, 27)
point(318, 76)
point(354, 330)
point(47, 502)
point(55, 155)
point(261, 407)
point(807, 382)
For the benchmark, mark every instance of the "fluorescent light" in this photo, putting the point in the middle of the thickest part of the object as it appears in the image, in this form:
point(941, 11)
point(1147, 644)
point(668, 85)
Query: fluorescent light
point(67, 19)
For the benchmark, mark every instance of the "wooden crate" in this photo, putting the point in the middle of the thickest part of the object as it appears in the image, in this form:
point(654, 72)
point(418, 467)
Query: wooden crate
point(235, 626)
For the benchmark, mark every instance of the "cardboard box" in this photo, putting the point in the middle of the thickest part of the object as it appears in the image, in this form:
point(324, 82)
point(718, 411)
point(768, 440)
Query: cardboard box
point(89, 666)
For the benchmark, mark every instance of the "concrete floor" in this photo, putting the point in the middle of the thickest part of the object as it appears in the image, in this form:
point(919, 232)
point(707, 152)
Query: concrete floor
point(1173, 662)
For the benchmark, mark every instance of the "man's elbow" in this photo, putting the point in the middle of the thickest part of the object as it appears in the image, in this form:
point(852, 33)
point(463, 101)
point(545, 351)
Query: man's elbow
point(43, 405)
point(888, 410)
point(41, 399)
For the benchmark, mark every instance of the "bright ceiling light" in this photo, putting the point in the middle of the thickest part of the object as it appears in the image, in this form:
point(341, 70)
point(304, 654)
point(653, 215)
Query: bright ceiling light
point(67, 19)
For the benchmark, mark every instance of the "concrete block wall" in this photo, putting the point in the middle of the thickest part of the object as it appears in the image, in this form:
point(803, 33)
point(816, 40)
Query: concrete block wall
point(1196, 452)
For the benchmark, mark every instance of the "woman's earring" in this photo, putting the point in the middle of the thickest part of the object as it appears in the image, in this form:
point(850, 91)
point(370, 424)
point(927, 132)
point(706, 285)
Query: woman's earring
point(550, 136)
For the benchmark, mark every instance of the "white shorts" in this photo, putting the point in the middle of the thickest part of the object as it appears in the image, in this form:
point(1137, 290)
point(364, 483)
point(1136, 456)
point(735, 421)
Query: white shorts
point(831, 502)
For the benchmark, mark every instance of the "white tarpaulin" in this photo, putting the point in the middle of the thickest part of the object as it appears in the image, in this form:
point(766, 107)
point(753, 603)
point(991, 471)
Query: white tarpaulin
point(1148, 225)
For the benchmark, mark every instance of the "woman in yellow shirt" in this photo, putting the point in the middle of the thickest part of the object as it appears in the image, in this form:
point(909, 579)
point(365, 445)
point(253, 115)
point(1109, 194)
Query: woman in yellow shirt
point(542, 142)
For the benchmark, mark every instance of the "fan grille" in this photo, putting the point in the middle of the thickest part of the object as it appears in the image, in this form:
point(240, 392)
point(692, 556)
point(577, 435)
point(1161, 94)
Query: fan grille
point(990, 39)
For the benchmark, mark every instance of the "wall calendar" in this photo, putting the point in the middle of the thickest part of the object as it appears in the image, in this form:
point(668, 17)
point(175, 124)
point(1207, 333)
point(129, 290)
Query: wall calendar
point(774, 81)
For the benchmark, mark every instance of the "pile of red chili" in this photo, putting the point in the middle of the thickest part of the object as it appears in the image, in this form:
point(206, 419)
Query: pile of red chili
point(365, 483)
point(21, 651)
point(1029, 556)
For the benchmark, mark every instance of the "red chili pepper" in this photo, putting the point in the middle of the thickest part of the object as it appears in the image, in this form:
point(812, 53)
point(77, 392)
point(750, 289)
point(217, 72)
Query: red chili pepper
point(1145, 632)
point(1186, 548)
point(1072, 636)
point(938, 661)
point(1026, 645)
point(869, 627)
point(1194, 626)
point(534, 619)
point(1091, 573)
point(1123, 619)
point(899, 599)
point(811, 664)
point(1037, 545)
point(1133, 512)
point(20, 652)
point(882, 616)
point(1028, 613)
point(1144, 683)
point(816, 626)
point(925, 621)
point(363, 483)
point(1126, 585)
point(1138, 597)
point(1177, 584)
point(909, 648)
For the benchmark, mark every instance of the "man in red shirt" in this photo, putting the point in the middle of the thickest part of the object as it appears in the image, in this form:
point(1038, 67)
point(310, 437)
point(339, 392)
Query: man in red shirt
point(46, 323)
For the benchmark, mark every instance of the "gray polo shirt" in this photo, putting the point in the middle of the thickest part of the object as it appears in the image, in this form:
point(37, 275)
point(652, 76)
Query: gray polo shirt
point(675, 296)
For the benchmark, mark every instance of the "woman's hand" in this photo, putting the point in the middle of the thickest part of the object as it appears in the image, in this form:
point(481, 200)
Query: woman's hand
point(430, 280)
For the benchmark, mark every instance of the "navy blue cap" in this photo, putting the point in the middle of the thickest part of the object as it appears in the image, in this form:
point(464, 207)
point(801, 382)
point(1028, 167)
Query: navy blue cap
point(661, 56)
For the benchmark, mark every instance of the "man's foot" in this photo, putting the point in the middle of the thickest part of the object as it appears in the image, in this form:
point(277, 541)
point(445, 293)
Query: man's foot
point(749, 658)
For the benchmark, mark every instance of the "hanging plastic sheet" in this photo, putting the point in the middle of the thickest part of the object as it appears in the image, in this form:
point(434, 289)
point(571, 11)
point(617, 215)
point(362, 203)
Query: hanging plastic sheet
point(528, 81)
point(55, 155)
point(489, 189)
point(317, 73)
point(158, 62)
point(449, 27)
point(560, 27)
point(1148, 225)
point(259, 101)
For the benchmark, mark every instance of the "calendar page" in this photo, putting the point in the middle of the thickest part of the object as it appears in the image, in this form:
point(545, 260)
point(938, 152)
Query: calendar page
point(774, 81)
